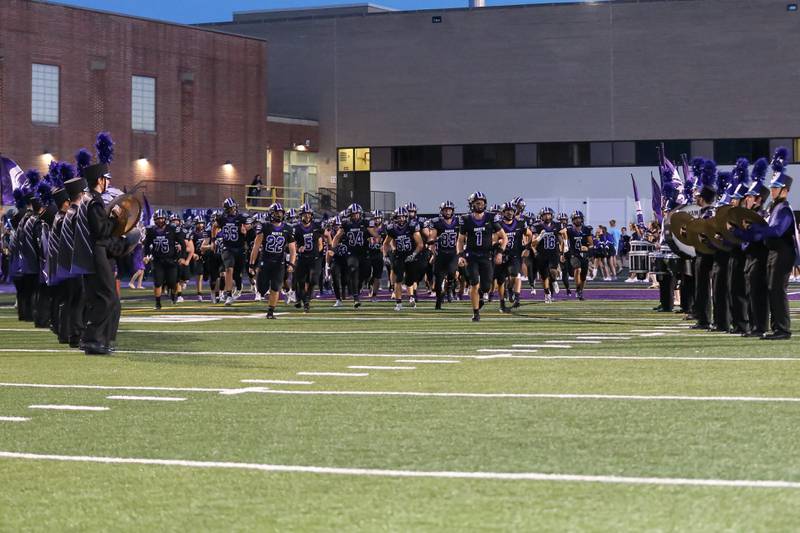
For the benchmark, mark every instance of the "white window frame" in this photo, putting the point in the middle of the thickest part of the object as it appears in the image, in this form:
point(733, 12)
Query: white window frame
point(45, 93)
point(143, 103)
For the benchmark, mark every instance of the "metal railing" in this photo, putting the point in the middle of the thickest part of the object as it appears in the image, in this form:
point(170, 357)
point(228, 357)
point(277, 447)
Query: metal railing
point(260, 197)
point(189, 193)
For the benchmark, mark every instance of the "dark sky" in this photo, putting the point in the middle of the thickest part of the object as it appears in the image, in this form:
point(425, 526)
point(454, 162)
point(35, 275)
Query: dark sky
point(190, 11)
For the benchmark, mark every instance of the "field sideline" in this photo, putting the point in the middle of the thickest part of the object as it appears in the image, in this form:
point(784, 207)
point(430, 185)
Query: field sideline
point(596, 415)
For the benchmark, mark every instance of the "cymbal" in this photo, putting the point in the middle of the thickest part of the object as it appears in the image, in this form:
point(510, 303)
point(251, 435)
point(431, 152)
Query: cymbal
point(679, 222)
point(698, 232)
point(736, 215)
point(721, 223)
point(131, 211)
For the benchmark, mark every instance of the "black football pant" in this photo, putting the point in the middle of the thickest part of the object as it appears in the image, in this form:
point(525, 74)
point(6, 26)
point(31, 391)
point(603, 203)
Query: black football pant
point(358, 269)
point(722, 308)
point(738, 292)
point(102, 304)
point(444, 270)
point(307, 271)
point(339, 276)
point(70, 311)
point(755, 278)
point(779, 266)
point(480, 271)
point(703, 265)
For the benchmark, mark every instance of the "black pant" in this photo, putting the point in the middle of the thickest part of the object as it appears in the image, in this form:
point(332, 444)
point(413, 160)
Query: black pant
point(480, 271)
point(722, 309)
point(56, 297)
point(666, 290)
point(339, 276)
point(358, 269)
point(71, 310)
point(444, 269)
point(687, 287)
point(41, 315)
point(703, 265)
point(779, 267)
point(738, 292)
point(307, 272)
point(270, 276)
point(27, 287)
point(102, 303)
point(755, 277)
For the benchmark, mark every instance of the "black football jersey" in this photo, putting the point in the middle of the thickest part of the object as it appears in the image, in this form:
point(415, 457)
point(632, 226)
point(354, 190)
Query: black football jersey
point(479, 233)
point(446, 234)
point(230, 230)
point(162, 243)
point(548, 242)
point(276, 240)
point(403, 236)
point(308, 237)
point(515, 231)
point(356, 236)
point(579, 237)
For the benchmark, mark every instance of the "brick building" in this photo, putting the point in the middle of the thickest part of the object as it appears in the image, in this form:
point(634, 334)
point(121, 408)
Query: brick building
point(186, 106)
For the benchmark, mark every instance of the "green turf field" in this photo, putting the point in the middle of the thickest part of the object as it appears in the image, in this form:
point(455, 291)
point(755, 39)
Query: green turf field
point(596, 415)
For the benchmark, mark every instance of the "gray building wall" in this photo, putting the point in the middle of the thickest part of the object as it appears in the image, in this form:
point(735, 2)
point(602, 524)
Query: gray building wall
point(611, 71)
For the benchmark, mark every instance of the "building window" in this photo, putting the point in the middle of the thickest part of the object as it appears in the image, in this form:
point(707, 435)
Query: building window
point(417, 158)
point(143, 103)
point(488, 156)
point(559, 155)
point(44, 93)
point(647, 153)
point(727, 151)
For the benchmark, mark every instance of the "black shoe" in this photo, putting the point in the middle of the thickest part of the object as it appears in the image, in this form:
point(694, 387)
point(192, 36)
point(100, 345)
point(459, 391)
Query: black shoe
point(503, 308)
point(580, 295)
point(516, 303)
point(736, 331)
point(569, 292)
point(95, 348)
point(758, 334)
point(438, 305)
point(689, 316)
point(158, 305)
point(356, 304)
point(777, 336)
point(476, 316)
point(306, 308)
point(720, 329)
point(298, 305)
point(270, 315)
point(665, 310)
point(481, 303)
point(658, 308)
point(700, 326)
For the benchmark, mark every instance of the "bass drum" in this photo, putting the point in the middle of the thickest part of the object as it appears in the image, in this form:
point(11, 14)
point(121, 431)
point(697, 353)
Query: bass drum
point(640, 257)
point(677, 247)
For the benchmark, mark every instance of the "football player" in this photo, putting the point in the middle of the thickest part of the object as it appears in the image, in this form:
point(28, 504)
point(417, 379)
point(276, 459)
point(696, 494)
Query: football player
point(162, 244)
point(402, 245)
point(580, 242)
point(563, 220)
point(548, 238)
point(518, 236)
point(273, 241)
point(442, 236)
point(198, 259)
point(308, 235)
point(376, 254)
point(231, 225)
point(478, 236)
point(355, 233)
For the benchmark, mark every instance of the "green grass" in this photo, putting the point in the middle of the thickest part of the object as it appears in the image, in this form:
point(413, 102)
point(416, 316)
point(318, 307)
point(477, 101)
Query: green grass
point(617, 437)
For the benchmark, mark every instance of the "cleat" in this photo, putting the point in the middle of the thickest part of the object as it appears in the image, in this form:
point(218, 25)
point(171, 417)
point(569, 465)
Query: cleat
point(236, 294)
point(398, 307)
point(179, 299)
point(476, 316)
point(298, 305)
point(306, 308)
point(356, 304)
point(556, 289)
point(257, 297)
point(270, 315)
point(199, 297)
point(548, 299)
point(412, 303)
point(337, 303)
point(516, 304)
point(157, 307)
point(503, 308)
point(229, 301)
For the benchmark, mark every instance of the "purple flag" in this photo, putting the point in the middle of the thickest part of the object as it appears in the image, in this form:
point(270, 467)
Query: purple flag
point(147, 211)
point(639, 212)
point(11, 177)
point(657, 200)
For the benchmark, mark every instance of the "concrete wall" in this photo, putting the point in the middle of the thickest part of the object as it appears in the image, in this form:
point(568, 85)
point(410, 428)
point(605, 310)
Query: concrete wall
point(601, 193)
point(210, 98)
point(675, 69)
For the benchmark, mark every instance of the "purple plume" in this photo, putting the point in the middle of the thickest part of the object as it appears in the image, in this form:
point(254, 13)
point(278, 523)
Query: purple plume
point(779, 159)
point(741, 173)
point(760, 170)
point(105, 147)
point(66, 171)
point(33, 177)
point(45, 193)
point(82, 160)
point(708, 176)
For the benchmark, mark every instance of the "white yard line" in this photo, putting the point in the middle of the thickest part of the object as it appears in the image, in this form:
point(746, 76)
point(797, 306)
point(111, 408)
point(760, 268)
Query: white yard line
point(358, 367)
point(13, 419)
point(69, 407)
point(573, 341)
point(245, 390)
point(108, 387)
point(335, 374)
point(425, 361)
point(548, 396)
point(517, 347)
point(147, 398)
point(277, 382)
point(374, 472)
point(599, 338)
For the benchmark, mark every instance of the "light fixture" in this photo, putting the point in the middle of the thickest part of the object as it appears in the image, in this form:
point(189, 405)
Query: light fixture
point(228, 162)
point(791, 7)
point(142, 157)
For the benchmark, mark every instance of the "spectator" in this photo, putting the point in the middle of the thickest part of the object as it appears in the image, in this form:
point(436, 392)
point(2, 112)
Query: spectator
point(254, 192)
point(614, 234)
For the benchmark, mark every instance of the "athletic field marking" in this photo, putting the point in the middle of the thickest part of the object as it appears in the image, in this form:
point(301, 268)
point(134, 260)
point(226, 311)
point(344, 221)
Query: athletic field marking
point(651, 335)
point(425, 361)
point(374, 472)
point(147, 398)
point(573, 342)
point(245, 390)
point(599, 338)
point(13, 419)
point(517, 346)
point(277, 382)
point(648, 357)
point(245, 354)
point(168, 319)
point(335, 374)
point(109, 387)
point(69, 407)
point(541, 396)
point(357, 367)
point(351, 333)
